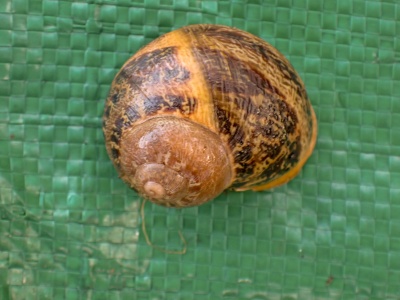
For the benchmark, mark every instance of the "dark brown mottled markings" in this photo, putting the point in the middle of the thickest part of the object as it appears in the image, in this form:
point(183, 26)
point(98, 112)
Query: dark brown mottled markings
point(107, 111)
point(287, 72)
point(254, 45)
point(278, 123)
point(240, 92)
point(231, 75)
point(157, 68)
point(283, 162)
point(132, 114)
point(170, 103)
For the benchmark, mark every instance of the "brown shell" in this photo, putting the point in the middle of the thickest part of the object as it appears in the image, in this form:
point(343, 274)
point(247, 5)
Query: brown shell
point(229, 81)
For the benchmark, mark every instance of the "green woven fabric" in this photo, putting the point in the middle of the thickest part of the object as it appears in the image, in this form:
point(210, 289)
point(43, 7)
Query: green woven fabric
point(70, 229)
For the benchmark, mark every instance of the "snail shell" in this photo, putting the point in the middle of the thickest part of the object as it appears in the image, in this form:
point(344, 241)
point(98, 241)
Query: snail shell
point(206, 108)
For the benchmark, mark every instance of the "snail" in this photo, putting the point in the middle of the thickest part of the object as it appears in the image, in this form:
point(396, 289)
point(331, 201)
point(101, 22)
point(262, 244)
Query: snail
point(203, 109)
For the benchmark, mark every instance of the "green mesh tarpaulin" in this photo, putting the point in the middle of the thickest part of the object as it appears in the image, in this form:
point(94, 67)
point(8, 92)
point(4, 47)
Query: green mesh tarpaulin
point(71, 229)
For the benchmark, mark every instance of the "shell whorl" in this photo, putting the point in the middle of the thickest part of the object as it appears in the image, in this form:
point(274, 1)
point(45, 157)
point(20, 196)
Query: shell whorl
point(174, 162)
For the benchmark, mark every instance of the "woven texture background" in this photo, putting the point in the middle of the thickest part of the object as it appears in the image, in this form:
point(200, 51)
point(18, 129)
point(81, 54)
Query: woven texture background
point(70, 229)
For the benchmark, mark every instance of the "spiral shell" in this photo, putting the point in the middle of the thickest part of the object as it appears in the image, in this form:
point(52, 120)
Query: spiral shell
point(260, 126)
